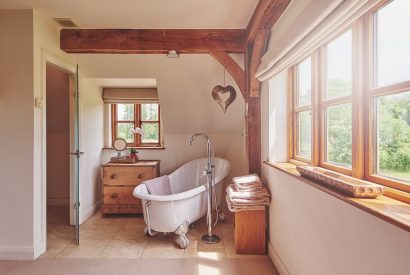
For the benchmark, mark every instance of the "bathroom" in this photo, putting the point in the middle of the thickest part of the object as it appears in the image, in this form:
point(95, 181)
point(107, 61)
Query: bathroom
point(309, 228)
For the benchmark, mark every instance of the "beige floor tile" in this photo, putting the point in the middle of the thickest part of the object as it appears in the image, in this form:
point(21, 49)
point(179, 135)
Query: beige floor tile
point(124, 249)
point(160, 246)
point(86, 249)
point(130, 234)
point(55, 246)
point(100, 232)
point(55, 231)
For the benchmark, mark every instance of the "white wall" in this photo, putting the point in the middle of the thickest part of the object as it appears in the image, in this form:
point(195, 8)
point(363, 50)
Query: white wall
point(16, 138)
point(91, 143)
point(184, 87)
point(311, 232)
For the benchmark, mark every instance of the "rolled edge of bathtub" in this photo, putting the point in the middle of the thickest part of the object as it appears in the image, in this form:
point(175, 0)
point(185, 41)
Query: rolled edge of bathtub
point(141, 192)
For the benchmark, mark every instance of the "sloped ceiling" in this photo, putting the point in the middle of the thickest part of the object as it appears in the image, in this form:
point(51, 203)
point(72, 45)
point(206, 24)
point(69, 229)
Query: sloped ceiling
point(145, 14)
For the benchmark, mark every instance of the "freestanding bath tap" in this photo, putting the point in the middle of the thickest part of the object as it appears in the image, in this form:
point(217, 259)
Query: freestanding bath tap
point(208, 238)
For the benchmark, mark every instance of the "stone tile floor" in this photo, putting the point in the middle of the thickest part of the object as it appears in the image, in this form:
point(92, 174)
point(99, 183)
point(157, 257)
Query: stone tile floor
point(122, 236)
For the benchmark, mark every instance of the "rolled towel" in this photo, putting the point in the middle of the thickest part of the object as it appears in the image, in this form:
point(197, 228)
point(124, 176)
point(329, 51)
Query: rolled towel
point(160, 186)
point(248, 182)
point(234, 193)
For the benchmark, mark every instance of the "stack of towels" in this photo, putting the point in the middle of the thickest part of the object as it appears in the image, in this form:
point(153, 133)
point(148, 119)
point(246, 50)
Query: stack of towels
point(247, 193)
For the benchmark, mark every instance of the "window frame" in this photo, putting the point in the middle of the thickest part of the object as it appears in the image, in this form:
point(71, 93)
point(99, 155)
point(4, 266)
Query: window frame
point(295, 110)
point(372, 93)
point(137, 123)
point(362, 98)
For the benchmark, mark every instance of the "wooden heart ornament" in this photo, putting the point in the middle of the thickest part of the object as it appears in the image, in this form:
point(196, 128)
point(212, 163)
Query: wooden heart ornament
point(219, 90)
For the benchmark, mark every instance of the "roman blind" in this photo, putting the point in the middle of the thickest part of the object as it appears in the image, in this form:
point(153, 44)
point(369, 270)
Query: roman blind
point(306, 25)
point(130, 95)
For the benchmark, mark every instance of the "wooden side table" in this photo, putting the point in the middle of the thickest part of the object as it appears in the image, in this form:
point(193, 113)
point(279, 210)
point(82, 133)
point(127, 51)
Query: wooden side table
point(250, 232)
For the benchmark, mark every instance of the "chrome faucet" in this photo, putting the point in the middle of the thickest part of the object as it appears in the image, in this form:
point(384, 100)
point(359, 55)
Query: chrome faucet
point(208, 149)
point(208, 238)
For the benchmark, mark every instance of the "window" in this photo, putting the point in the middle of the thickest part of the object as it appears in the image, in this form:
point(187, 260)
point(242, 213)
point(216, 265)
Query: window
point(337, 101)
point(303, 117)
point(350, 107)
point(126, 117)
point(389, 96)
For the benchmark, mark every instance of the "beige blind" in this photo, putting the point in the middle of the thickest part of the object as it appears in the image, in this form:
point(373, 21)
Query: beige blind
point(313, 27)
point(130, 95)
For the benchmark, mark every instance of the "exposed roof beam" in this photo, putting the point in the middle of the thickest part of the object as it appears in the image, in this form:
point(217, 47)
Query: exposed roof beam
point(151, 41)
point(266, 14)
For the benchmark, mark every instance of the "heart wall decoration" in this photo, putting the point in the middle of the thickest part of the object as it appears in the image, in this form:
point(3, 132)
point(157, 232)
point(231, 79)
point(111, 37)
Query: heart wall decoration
point(219, 90)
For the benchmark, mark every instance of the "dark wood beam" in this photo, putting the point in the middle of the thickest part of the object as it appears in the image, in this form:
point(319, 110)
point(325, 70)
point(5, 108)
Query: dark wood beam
point(151, 41)
point(237, 73)
point(258, 49)
point(266, 14)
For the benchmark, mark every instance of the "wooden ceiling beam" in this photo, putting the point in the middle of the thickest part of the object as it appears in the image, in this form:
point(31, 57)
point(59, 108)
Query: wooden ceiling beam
point(151, 41)
point(265, 16)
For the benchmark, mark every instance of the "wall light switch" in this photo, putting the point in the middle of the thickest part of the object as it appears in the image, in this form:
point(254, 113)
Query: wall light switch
point(38, 102)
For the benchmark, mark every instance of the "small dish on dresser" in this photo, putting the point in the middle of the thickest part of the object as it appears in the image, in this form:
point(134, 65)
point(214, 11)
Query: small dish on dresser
point(348, 185)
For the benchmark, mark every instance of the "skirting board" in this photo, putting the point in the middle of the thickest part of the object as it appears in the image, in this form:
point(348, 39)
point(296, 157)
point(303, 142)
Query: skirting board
point(277, 261)
point(17, 253)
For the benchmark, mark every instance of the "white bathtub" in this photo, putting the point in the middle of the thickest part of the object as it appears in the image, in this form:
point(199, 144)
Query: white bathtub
point(188, 201)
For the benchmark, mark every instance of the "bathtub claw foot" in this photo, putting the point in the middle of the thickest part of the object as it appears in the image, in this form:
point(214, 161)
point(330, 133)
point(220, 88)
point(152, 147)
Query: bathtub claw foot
point(183, 241)
point(182, 229)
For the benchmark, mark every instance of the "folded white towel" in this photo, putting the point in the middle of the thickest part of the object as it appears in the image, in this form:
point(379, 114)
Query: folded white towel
point(250, 182)
point(160, 186)
point(243, 207)
point(246, 179)
point(234, 193)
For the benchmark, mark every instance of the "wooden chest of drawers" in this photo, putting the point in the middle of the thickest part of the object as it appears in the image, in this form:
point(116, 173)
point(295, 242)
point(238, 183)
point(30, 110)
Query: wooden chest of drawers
point(119, 181)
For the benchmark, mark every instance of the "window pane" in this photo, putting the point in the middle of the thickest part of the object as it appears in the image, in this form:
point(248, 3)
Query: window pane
point(393, 135)
point(149, 112)
point(304, 82)
point(124, 131)
point(305, 134)
point(339, 134)
point(125, 111)
point(151, 133)
point(393, 43)
point(339, 66)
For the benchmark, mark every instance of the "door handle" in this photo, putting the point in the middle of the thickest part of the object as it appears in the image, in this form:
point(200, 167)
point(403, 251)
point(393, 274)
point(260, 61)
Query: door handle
point(77, 153)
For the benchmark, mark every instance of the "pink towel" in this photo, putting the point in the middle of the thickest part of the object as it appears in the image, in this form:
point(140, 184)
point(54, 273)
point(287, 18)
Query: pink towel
point(158, 186)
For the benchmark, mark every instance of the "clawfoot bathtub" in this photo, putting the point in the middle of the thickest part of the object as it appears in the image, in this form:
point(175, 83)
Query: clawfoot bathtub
point(188, 201)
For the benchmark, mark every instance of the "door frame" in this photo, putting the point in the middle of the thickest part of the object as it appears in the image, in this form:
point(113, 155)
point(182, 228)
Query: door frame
point(70, 68)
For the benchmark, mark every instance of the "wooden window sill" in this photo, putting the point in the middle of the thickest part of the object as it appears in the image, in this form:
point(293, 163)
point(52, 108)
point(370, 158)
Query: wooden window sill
point(388, 209)
point(140, 148)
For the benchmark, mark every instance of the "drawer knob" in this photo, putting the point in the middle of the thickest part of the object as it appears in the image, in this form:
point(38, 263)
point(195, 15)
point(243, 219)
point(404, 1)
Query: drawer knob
point(114, 176)
point(114, 196)
point(140, 176)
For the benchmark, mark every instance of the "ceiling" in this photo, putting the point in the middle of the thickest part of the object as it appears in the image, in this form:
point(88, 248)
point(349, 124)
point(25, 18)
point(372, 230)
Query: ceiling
point(145, 14)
